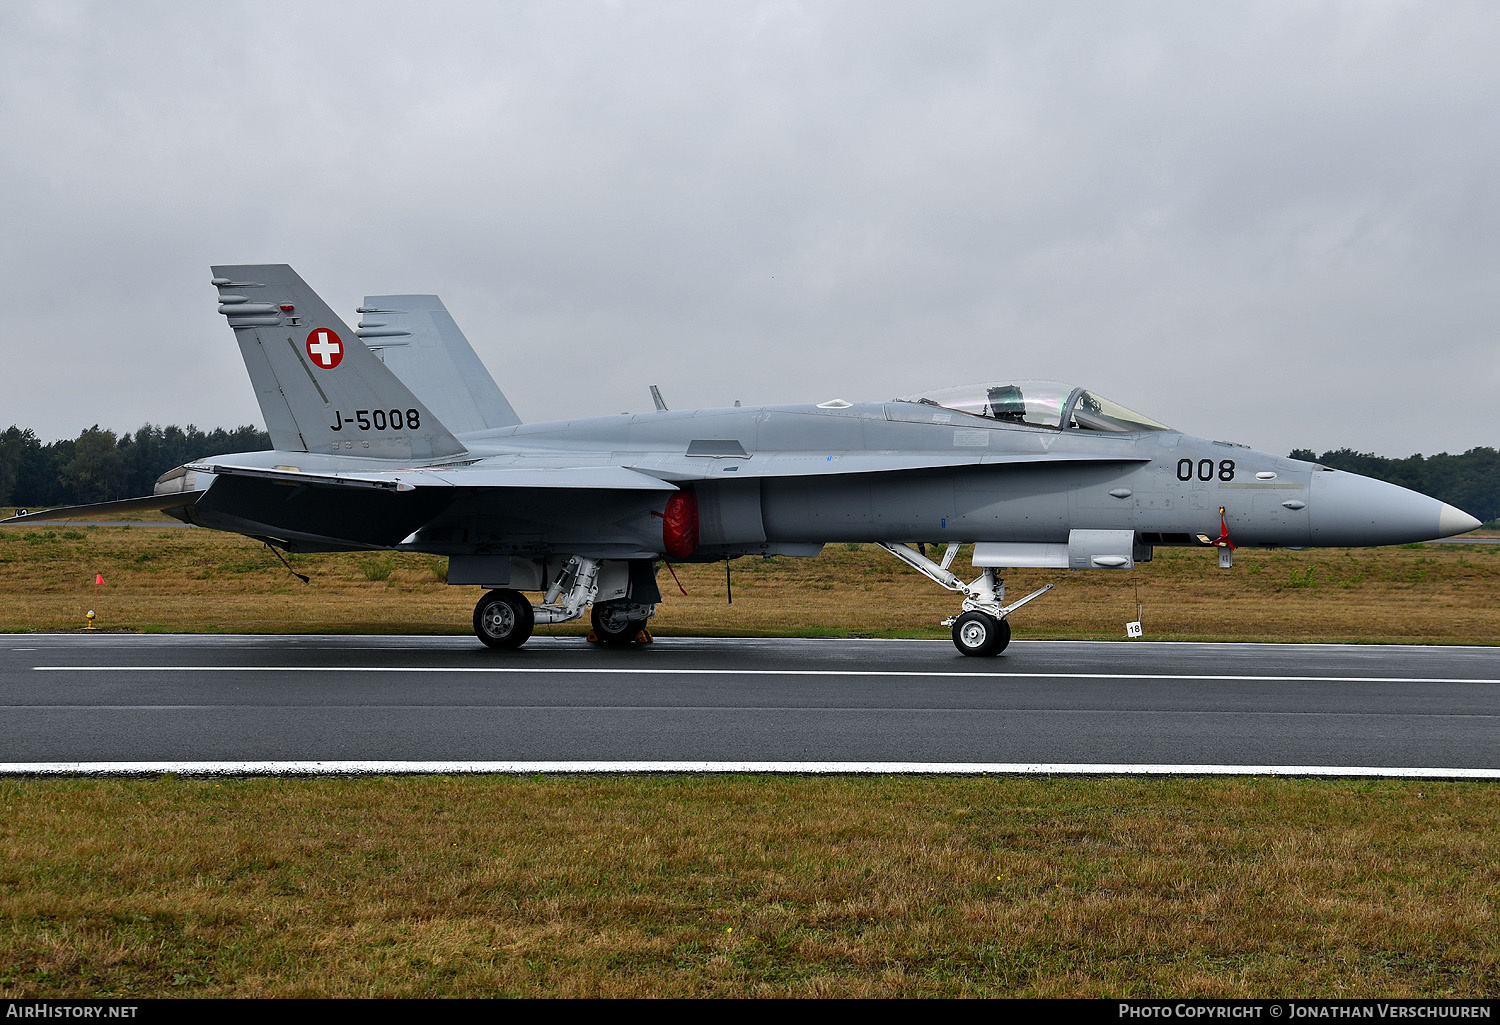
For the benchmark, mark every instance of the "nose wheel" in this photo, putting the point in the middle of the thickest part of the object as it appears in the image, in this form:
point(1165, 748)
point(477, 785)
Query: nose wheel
point(980, 634)
point(504, 619)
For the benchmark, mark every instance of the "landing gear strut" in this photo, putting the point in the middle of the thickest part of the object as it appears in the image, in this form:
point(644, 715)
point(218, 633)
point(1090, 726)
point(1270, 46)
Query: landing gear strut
point(504, 618)
point(981, 629)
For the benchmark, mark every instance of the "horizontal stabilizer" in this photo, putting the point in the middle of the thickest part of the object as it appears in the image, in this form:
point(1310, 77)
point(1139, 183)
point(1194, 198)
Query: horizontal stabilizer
point(150, 503)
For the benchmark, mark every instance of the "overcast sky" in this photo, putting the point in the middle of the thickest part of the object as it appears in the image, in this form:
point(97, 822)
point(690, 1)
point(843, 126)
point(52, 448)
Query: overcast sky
point(1271, 223)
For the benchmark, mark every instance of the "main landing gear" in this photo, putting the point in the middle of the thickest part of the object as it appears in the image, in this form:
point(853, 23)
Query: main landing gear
point(504, 618)
point(981, 629)
point(621, 622)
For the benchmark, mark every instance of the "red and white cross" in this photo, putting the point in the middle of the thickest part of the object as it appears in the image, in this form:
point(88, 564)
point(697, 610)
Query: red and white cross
point(325, 348)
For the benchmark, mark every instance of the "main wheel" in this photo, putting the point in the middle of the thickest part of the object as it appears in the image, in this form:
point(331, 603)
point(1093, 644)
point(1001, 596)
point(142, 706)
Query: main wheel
point(979, 634)
point(504, 619)
point(613, 625)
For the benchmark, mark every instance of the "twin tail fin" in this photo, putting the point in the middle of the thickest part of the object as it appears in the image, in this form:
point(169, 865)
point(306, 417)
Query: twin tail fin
point(320, 388)
point(417, 339)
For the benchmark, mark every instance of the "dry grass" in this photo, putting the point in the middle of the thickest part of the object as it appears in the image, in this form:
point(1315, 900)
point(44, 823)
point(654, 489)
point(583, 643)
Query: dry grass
point(196, 580)
point(848, 886)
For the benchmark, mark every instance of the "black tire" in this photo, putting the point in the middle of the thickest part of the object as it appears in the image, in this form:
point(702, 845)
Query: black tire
point(504, 619)
point(1003, 641)
point(612, 626)
point(980, 634)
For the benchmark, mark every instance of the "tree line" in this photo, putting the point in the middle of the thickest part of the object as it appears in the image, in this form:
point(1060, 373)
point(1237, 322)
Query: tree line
point(100, 466)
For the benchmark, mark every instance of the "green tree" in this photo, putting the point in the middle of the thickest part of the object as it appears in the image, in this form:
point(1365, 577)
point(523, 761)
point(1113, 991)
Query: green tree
point(96, 472)
point(18, 450)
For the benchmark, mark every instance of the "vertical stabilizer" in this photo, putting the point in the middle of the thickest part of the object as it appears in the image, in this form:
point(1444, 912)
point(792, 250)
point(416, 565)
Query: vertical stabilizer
point(320, 388)
point(422, 345)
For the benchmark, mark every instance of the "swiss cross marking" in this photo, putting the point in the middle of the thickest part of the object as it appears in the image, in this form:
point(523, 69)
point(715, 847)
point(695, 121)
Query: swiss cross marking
point(325, 348)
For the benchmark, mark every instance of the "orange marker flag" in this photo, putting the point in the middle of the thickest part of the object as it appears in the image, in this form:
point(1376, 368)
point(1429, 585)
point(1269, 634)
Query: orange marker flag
point(98, 579)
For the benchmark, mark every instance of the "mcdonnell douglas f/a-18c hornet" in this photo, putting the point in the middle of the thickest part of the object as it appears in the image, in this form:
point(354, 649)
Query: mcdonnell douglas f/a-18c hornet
point(395, 437)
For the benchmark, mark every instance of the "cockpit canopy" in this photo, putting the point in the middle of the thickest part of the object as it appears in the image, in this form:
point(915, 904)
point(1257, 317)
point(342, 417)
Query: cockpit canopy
point(1039, 404)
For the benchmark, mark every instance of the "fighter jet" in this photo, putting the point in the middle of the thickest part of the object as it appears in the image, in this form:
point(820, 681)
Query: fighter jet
point(393, 437)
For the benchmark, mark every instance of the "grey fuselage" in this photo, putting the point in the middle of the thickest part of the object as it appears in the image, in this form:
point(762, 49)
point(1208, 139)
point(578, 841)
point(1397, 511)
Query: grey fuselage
point(788, 479)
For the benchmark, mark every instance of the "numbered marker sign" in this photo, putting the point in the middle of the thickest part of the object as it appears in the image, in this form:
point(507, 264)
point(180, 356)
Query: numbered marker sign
point(1133, 629)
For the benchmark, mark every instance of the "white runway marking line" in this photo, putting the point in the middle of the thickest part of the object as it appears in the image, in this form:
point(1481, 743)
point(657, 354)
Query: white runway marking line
point(400, 768)
point(892, 673)
point(367, 706)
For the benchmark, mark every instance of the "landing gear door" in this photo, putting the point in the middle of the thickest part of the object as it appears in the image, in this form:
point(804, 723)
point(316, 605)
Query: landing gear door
point(614, 580)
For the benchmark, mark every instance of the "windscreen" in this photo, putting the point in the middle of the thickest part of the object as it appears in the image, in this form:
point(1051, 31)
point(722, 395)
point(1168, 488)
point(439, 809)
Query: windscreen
point(1096, 413)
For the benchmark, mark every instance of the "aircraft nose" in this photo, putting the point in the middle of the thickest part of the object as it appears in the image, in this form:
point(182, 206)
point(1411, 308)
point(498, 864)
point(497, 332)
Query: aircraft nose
point(1348, 509)
point(1453, 521)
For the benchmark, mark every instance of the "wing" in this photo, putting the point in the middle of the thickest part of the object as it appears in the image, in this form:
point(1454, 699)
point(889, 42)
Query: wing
point(602, 478)
point(384, 508)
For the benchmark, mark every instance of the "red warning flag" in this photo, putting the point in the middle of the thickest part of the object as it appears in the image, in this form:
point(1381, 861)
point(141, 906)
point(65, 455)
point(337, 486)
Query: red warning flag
point(98, 579)
point(1223, 539)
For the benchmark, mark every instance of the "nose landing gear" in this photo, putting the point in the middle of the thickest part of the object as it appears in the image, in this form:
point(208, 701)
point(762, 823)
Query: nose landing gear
point(981, 628)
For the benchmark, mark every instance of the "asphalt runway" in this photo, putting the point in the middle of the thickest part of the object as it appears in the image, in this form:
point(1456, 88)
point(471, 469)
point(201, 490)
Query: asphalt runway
point(81, 702)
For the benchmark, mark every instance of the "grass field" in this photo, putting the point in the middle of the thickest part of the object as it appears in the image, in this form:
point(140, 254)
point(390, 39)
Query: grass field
point(763, 886)
point(679, 886)
point(196, 580)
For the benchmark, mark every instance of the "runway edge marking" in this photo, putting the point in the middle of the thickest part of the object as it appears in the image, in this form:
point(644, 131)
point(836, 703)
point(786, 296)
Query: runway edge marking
point(418, 768)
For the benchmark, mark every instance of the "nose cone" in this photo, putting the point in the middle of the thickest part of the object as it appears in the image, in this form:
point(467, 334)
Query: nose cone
point(1347, 509)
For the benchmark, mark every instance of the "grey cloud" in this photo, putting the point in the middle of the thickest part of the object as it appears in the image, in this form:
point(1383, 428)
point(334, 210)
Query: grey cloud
point(1272, 223)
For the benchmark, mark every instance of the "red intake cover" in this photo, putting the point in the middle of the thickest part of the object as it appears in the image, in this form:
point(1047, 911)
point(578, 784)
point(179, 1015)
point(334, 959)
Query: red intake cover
point(679, 525)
